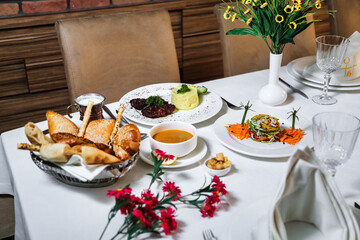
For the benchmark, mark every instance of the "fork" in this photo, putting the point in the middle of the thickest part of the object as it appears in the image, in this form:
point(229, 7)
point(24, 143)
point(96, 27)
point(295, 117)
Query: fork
point(208, 235)
point(232, 106)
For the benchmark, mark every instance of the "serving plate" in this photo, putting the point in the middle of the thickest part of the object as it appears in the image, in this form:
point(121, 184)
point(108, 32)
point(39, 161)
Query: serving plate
point(258, 149)
point(210, 105)
point(193, 157)
point(115, 170)
point(306, 71)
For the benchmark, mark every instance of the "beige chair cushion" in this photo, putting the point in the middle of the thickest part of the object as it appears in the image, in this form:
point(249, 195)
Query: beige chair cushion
point(114, 54)
point(7, 216)
point(242, 54)
point(346, 19)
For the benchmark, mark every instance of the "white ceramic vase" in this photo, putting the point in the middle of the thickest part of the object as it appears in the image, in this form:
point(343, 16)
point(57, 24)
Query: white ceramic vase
point(273, 94)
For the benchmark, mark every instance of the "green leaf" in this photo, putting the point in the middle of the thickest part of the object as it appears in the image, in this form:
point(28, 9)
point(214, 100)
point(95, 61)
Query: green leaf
point(242, 31)
point(154, 101)
point(184, 88)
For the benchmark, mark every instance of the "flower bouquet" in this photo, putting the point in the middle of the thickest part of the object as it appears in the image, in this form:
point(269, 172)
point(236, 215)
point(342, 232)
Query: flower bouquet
point(277, 22)
point(156, 213)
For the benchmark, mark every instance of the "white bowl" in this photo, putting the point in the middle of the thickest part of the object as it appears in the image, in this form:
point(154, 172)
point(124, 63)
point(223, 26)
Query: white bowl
point(214, 172)
point(179, 149)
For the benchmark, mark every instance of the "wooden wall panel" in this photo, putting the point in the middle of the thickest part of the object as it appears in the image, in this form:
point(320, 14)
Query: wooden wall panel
point(12, 78)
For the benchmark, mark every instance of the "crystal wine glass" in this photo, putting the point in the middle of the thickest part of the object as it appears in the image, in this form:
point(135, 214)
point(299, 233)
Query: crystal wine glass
point(330, 51)
point(335, 135)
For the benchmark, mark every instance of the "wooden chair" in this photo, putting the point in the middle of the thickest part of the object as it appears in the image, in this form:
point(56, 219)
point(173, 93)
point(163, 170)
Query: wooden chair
point(114, 54)
point(242, 54)
point(346, 20)
point(7, 219)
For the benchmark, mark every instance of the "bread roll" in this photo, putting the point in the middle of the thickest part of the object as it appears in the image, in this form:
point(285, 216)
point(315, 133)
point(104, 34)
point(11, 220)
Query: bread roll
point(58, 123)
point(127, 138)
point(93, 155)
point(35, 135)
point(99, 131)
point(56, 152)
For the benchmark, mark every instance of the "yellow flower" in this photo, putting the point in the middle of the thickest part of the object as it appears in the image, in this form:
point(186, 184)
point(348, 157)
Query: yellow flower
point(279, 18)
point(297, 2)
point(247, 11)
point(248, 2)
point(243, 1)
point(249, 21)
point(292, 25)
point(297, 7)
point(318, 4)
point(227, 16)
point(263, 5)
point(233, 17)
point(288, 9)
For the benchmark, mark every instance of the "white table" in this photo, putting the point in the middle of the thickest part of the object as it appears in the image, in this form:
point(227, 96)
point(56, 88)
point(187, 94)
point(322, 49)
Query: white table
point(48, 209)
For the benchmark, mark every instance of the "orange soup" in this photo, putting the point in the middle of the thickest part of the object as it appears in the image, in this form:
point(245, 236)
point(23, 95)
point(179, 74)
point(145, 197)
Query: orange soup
point(172, 136)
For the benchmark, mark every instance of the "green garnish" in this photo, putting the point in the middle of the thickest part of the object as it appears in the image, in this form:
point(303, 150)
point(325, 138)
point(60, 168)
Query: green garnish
point(294, 116)
point(201, 89)
point(184, 88)
point(247, 107)
point(154, 101)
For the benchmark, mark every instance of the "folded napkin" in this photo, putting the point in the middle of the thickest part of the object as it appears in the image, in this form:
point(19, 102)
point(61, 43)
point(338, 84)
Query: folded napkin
point(350, 67)
point(76, 166)
point(309, 204)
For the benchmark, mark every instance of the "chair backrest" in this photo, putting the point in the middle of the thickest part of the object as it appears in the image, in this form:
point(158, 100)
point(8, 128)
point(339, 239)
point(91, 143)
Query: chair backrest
point(113, 54)
point(346, 20)
point(7, 213)
point(246, 53)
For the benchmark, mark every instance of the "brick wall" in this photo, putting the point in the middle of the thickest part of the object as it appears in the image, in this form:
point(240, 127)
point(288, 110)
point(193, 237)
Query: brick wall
point(11, 8)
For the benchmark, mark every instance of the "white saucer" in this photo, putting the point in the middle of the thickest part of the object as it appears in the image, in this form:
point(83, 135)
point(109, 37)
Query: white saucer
point(193, 157)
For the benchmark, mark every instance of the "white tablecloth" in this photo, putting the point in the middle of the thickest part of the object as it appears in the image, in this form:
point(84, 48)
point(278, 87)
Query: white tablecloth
point(48, 209)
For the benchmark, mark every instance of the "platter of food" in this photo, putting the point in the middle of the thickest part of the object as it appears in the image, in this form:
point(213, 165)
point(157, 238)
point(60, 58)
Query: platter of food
point(96, 154)
point(157, 103)
point(264, 127)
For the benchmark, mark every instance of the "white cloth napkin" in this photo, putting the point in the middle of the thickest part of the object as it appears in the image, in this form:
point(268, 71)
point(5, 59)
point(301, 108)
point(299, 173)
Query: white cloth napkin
point(309, 204)
point(350, 67)
point(77, 167)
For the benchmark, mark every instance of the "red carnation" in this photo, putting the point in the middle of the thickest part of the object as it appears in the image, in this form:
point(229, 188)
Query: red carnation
point(148, 198)
point(218, 185)
point(209, 209)
point(168, 220)
point(120, 193)
point(170, 188)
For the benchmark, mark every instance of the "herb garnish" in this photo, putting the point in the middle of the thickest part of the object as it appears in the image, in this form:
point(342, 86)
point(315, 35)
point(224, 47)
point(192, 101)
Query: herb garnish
point(154, 101)
point(247, 107)
point(294, 116)
point(184, 88)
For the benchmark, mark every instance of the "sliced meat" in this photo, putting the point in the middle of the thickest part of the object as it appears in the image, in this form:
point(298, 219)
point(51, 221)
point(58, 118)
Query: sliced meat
point(138, 103)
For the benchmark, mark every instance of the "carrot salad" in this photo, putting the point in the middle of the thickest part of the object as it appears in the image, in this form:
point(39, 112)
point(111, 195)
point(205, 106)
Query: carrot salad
point(291, 136)
point(238, 130)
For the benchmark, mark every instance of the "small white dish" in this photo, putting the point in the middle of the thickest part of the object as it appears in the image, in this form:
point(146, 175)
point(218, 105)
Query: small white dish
point(195, 156)
point(179, 149)
point(214, 172)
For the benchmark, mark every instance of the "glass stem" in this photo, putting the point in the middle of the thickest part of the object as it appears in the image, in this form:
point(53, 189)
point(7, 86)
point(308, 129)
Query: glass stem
point(332, 170)
point(327, 78)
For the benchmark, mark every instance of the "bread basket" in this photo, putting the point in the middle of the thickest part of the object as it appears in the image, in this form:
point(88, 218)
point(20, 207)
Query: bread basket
point(117, 169)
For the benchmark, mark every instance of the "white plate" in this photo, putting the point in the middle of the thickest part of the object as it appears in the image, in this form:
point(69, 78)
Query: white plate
point(258, 149)
point(332, 88)
point(307, 69)
point(210, 105)
point(195, 156)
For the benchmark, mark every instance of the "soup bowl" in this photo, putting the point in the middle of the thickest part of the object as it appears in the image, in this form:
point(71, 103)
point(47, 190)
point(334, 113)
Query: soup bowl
point(175, 138)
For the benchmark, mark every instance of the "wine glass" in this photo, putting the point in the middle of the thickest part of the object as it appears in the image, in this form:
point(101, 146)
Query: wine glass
point(335, 135)
point(330, 51)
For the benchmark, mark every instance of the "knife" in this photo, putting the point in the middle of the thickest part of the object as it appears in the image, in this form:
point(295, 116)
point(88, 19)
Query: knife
point(107, 110)
point(294, 89)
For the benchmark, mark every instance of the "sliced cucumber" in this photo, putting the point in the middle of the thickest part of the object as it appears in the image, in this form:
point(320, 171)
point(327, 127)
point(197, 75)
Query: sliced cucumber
point(201, 89)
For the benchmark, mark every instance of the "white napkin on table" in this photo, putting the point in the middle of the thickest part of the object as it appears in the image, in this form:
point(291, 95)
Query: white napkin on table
point(350, 67)
point(77, 167)
point(309, 195)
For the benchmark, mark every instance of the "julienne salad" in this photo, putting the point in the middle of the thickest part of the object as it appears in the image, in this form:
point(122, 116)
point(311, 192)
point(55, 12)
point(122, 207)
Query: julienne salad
point(266, 129)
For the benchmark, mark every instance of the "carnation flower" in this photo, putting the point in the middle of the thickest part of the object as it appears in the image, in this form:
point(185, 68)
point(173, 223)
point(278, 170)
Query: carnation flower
point(170, 188)
point(168, 220)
